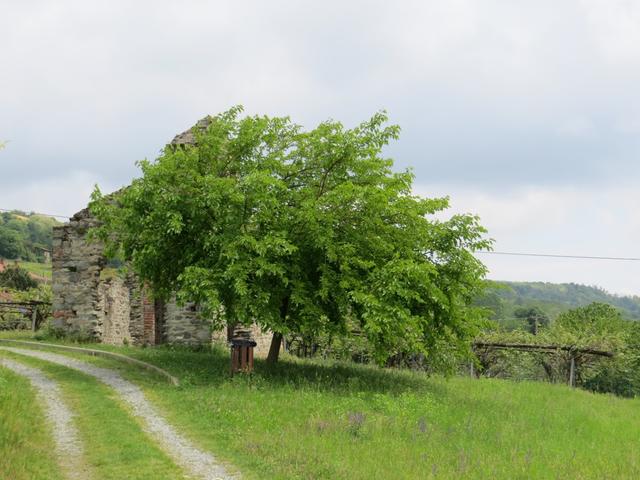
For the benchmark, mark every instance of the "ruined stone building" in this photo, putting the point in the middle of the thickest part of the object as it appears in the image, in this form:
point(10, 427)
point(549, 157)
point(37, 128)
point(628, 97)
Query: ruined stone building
point(90, 297)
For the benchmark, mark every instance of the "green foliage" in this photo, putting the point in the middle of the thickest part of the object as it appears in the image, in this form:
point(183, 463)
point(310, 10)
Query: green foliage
point(601, 326)
point(23, 235)
point(596, 326)
point(511, 364)
point(503, 299)
point(306, 233)
point(353, 347)
point(16, 278)
point(23, 321)
point(533, 316)
point(50, 332)
point(10, 244)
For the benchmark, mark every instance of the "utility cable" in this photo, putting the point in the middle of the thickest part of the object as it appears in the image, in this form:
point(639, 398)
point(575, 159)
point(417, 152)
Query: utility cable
point(483, 252)
point(550, 255)
point(36, 213)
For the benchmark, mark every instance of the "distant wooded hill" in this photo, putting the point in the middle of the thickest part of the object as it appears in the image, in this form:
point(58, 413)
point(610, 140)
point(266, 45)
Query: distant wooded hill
point(25, 236)
point(504, 298)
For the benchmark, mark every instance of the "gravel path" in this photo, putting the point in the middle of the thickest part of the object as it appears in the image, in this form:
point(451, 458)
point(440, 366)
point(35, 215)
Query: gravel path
point(68, 445)
point(196, 462)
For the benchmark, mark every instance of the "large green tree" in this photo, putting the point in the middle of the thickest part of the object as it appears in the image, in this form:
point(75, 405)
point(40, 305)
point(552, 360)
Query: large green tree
point(11, 245)
point(300, 231)
point(597, 325)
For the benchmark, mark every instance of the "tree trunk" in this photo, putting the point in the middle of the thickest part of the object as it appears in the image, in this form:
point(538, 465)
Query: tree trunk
point(276, 340)
point(274, 349)
point(230, 331)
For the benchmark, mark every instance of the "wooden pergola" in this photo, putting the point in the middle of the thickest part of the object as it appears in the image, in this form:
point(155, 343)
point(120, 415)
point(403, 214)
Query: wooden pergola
point(530, 347)
point(28, 309)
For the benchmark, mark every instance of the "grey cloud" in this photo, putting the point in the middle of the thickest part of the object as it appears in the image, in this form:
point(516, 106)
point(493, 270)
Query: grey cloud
point(515, 109)
point(479, 150)
point(534, 94)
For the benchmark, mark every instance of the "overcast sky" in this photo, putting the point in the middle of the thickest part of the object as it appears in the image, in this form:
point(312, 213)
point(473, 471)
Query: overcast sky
point(524, 112)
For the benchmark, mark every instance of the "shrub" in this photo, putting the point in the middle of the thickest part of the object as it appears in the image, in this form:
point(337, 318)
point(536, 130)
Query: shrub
point(17, 278)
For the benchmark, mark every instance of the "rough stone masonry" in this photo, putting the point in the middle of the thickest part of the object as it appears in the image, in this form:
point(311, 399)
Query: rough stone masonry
point(91, 298)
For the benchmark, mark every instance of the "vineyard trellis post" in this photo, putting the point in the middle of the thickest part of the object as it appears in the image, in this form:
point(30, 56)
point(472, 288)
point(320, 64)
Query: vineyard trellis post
point(571, 349)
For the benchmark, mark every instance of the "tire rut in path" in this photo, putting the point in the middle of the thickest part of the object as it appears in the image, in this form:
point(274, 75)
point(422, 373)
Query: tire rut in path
point(194, 461)
point(69, 449)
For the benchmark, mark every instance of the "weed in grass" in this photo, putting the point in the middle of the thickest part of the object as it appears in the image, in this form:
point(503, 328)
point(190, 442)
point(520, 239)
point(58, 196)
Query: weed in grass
point(322, 426)
point(422, 425)
point(356, 422)
point(463, 462)
point(468, 425)
point(253, 448)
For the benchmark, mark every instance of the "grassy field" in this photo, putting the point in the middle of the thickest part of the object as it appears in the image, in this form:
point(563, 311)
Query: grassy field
point(24, 440)
point(40, 269)
point(320, 420)
point(115, 445)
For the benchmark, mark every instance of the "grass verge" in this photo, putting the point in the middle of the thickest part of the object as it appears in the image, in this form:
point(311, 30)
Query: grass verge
point(40, 269)
point(308, 419)
point(25, 442)
point(115, 445)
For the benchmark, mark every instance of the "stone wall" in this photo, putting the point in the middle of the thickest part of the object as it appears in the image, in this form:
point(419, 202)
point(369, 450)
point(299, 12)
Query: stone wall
point(86, 300)
point(96, 301)
point(76, 267)
point(114, 307)
point(261, 337)
point(137, 328)
point(263, 340)
point(149, 320)
point(184, 325)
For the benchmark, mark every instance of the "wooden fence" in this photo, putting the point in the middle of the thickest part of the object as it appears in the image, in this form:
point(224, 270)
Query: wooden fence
point(28, 309)
point(529, 347)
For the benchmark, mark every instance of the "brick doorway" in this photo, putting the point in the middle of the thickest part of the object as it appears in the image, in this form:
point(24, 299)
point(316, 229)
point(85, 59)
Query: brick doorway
point(153, 318)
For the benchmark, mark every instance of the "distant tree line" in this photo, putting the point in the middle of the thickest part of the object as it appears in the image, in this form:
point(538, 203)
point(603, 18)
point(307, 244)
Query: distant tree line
point(25, 236)
point(510, 303)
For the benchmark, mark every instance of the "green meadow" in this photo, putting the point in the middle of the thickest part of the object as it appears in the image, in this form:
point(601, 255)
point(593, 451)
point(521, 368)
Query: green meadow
point(326, 420)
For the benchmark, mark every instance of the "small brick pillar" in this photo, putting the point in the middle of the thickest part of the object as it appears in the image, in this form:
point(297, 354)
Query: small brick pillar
point(242, 352)
point(148, 318)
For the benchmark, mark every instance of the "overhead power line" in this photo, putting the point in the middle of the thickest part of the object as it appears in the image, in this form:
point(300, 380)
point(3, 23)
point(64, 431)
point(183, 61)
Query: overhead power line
point(549, 255)
point(37, 213)
point(484, 252)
